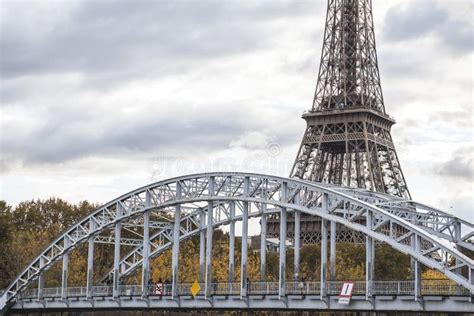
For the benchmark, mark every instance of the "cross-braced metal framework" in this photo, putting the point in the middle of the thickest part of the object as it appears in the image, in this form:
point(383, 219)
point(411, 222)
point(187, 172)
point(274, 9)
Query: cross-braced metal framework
point(174, 210)
point(347, 140)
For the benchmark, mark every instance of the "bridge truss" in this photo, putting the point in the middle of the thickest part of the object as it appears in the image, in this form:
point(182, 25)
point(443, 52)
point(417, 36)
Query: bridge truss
point(170, 211)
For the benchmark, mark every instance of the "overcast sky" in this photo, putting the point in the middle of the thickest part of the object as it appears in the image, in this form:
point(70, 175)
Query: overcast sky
point(98, 98)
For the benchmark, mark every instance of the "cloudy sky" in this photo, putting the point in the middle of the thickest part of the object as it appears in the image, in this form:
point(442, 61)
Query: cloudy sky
point(98, 98)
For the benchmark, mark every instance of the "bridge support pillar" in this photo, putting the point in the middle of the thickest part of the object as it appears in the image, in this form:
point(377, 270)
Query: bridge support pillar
point(175, 254)
point(118, 231)
point(332, 251)
point(146, 254)
point(471, 281)
point(457, 231)
point(296, 244)
point(232, 244)
point(90, 259)
point(283, 219)
point(65, 269)
point(263, 243)
point(297, 239)
point(471, 276)
point(369, 258)
point(202, 246)
point(416, 267)
point(324, 257)
point(210, 211)
point(41, 280)
point(457, 238)
point(244, 284)
point(324, 248)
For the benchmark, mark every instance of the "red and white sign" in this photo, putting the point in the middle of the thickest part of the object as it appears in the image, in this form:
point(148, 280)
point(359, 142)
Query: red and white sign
point(159, 289)
point(346, 293)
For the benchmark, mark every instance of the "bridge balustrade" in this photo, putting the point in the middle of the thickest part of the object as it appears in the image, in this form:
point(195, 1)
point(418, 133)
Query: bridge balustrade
point(130, 290)
point(394, 287)
point(101, 290)
point(443, 288)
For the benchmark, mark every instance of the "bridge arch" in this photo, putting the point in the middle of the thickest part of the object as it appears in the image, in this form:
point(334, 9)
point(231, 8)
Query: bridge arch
point(268, 194)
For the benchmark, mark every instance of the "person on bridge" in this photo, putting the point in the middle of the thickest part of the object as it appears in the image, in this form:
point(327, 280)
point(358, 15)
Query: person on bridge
point(301, 286)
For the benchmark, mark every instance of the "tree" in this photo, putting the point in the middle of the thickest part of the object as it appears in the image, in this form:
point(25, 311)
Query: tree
point(29, 227)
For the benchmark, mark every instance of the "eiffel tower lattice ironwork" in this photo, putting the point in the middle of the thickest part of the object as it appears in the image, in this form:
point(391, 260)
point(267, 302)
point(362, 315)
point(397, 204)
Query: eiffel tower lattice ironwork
point(347, 140)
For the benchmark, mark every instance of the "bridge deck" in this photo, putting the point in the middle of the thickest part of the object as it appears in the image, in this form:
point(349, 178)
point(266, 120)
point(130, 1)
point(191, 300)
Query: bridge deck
point(253, 302)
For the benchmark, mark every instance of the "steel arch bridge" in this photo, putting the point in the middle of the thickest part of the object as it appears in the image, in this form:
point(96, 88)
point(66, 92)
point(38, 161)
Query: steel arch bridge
point(196, 205)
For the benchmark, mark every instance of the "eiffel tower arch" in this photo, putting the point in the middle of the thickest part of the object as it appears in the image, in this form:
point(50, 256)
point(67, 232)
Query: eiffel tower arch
point(347, 141)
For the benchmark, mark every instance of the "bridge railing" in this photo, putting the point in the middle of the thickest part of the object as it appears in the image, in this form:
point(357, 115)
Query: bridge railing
point(102, 290)
point(444, 289)
point(394, 287)
point(130, 290)
point(428, 288)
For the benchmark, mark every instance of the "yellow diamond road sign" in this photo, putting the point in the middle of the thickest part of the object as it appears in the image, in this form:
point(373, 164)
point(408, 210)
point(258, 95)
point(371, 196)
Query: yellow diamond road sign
point(195, 288)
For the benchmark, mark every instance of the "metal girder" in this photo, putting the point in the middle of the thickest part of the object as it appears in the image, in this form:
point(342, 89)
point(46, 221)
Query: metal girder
point(230, 188)
point(123, 241)
point(432, 220)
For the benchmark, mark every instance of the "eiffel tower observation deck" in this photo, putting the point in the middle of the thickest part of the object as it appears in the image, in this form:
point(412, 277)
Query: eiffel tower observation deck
point(347, 141)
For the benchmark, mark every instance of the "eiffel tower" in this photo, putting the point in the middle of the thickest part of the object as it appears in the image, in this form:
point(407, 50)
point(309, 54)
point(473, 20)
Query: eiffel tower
point(347, 141)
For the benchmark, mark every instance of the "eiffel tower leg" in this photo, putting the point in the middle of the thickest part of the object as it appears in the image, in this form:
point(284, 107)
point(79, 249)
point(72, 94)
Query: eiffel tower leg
point(349, 165)
point(370, 167)
point(404, 192)
point(395, 187)
point(380, 187)
point(341, 168)
point(295, 170)
point(358, 164)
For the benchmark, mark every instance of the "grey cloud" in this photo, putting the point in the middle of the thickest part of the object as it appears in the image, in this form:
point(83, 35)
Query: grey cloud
point(109, 42)
point(458, 203)
point(136, 37)
point(4, 166)
point(456, 119)
point(67, 135)
point(393, 63)
point(460, 166)
point(413, 19)
point(458, 35)
point(64, 138)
